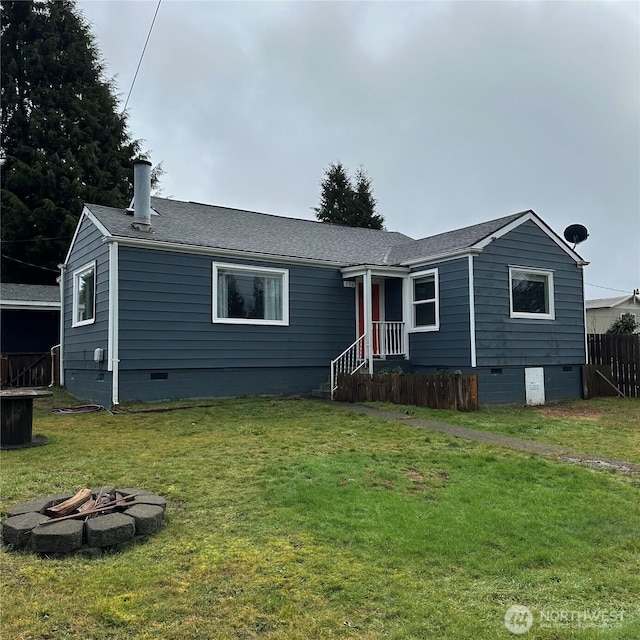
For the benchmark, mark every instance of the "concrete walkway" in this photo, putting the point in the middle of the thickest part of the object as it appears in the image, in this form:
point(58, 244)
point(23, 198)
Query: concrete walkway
point(528, 446)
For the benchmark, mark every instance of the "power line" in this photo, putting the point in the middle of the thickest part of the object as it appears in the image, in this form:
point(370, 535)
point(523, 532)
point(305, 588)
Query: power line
point(133, 82)
point(29, 264)
point(141, 56)
point(37, 239)
point(609, 288)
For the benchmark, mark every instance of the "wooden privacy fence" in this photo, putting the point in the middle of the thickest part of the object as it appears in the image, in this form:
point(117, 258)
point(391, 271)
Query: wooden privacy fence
point(598, 381)
point(26, 369)
point(440, 391)
point(619, 354)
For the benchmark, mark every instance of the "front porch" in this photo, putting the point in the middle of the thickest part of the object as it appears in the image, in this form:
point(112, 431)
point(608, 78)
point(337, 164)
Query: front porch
point(381, 329)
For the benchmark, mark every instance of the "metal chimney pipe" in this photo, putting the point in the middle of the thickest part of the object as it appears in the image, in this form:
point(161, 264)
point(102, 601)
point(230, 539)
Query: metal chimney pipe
point(142, 194)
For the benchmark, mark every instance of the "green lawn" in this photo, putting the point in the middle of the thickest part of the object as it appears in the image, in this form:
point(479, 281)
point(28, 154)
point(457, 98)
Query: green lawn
point(607, 427)
point(295, 519)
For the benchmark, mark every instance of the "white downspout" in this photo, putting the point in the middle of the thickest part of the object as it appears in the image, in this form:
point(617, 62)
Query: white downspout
point(472, 315)
point(584, 318)
point(368, 325)
point(63, 268)
point(407, 313)
point(114, 313)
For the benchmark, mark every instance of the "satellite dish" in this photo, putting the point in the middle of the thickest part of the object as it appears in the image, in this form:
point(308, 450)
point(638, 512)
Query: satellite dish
point(576, 233)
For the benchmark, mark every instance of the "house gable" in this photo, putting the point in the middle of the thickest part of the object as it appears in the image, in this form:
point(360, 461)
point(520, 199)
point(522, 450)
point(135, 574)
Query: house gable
point(504, 340)
point(82, 375)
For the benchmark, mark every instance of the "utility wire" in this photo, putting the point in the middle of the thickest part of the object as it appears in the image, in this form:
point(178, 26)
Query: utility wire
point(29, 264)
point(609, 288)
point(133, 82)
point(36, 239)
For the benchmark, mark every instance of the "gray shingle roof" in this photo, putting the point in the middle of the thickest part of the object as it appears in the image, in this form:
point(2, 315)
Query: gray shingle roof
point(201, 225)
point(29, 293)
point(450, 241)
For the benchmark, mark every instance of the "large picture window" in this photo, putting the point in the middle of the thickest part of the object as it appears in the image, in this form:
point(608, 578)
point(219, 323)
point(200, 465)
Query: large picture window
point(425, 306)
point(531, 293)
point(84, 295)
point(250, 295)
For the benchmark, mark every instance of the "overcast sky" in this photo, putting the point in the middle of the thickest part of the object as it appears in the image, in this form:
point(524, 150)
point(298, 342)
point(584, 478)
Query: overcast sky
point(459, 111)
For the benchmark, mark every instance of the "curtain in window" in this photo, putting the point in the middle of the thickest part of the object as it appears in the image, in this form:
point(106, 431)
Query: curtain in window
point(250, 295)
point(223, 294)
point(273, 298)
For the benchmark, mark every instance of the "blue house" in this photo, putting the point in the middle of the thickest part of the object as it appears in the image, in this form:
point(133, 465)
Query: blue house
point(179, 299)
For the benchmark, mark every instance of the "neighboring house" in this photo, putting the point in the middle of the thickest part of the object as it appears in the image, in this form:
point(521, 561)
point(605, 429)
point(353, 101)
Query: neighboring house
point(30, 321)
point(603, 312)
point(180, 299)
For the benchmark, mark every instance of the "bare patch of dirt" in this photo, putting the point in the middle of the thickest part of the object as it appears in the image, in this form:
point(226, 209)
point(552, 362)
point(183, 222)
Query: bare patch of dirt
point(571, 412)
point(420, 482)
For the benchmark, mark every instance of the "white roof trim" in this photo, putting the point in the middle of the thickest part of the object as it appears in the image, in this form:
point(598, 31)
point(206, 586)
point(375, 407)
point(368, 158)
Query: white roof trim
point(376, 270)
point(29, 305)
point(89, 216)
point(531, 216)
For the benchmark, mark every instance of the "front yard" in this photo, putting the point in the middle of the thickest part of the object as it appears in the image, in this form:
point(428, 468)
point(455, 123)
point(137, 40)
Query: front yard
point(608, 427)
point(296, 519)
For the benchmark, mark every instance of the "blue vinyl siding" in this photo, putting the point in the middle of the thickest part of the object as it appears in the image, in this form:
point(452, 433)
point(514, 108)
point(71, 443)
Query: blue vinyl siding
point(450, 345)
point(166, 317)
point(501, 340)
point(80, 342)
point(218, 383)
point(89, 386)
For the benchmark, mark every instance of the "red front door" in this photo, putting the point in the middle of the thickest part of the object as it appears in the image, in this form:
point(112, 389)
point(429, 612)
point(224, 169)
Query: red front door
point(375, 316)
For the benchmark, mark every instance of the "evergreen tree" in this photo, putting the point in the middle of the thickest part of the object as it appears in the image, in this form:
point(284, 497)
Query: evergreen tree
point(343, 203)
point(336, 197)
point(625, 325)
point(364, 203)
point(63, 141)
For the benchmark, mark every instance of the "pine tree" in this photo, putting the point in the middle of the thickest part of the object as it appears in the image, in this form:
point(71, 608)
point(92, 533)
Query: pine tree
point(342, 203)
point(336, 196)
point(364, 203)
point(63, 141)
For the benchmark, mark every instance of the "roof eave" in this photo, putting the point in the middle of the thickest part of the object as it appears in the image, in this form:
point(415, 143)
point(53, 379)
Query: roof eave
point(29, 305)
point(160, 245)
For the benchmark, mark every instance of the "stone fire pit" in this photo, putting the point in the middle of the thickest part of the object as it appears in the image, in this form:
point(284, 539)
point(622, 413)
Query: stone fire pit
point(133, 513)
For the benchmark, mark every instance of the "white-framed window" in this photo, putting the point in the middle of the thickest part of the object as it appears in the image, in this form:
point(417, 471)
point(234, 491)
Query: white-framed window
point(250, 295)
point(425, 305)
point(531, 293)
point(628, 313)
point(84, 295)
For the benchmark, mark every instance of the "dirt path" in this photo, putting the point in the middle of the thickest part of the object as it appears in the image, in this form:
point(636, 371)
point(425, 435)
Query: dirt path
point(549, 450)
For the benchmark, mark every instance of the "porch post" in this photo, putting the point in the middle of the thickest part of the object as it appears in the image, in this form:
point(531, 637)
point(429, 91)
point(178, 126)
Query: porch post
point(368, 325)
